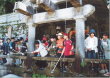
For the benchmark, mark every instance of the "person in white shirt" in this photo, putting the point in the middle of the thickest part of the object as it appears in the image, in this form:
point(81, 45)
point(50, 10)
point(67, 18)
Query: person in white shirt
point(40, 49)
point(91, 44)
point(42, 52)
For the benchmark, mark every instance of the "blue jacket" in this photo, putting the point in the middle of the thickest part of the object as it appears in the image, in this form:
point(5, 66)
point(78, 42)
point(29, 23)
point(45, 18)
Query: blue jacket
point(6, 47)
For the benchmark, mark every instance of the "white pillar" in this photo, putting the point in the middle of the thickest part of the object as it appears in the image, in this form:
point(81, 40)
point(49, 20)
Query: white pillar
point(80, 35)
point(9, 31)
point(31, 37)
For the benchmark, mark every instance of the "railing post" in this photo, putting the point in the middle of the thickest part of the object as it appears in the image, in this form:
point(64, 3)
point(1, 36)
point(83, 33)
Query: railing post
point(81, 14)
point(31, 35)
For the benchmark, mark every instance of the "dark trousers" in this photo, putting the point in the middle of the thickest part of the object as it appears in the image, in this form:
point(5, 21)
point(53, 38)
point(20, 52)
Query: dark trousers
point(91, 54)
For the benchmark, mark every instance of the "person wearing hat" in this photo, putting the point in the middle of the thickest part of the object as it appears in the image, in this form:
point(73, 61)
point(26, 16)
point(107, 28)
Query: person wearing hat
point(67, 51)
point(68, 47)
point(52, 47)
point(59, 44)
point(91, 43)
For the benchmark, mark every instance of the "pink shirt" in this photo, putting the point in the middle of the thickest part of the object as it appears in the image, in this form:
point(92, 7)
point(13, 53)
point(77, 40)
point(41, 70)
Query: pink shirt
point(68, 48)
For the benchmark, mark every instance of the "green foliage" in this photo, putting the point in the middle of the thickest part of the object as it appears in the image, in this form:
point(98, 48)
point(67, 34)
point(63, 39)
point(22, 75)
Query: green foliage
point(40, 76)
point(83, 64)
point(2, 5)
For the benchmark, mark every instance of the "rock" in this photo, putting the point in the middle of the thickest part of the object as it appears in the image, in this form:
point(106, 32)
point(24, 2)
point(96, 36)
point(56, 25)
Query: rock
point(11, 76)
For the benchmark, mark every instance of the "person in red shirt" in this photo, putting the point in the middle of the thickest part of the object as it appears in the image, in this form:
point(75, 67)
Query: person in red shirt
point(68, 47)
point(59, 44)
point(67, 51)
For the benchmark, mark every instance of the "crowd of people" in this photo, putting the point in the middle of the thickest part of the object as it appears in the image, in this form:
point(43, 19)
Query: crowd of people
point(12, 45)
point(55, 46)
point(97, 47)
point(62, 44)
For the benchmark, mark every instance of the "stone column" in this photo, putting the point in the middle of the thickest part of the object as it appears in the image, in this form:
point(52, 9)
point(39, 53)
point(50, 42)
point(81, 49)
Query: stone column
point(31, 37)
point(9, 31)
point(80, 35)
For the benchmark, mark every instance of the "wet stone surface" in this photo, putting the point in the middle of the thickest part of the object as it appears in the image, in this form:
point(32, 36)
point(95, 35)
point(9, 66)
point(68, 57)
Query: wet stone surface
point(33, 70)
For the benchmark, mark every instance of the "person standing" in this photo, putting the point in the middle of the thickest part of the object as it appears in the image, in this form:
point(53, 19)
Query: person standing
point(59, 44)
point(101, 55)
point(71, 33)
point(68, 47)
point(1, 45)
point(106, 46)
point(6, 47)
point(23, 45)
point(42, 52)
point(91, 44)
point(52, 47)
point(67, 51)
point(12, 45)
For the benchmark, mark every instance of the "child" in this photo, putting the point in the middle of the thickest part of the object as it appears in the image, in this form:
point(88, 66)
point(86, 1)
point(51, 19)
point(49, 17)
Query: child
point(40, 49)
point(67, 50)
point(91, 44)
point(52, 47)
point(68, 47)
point(59, 44)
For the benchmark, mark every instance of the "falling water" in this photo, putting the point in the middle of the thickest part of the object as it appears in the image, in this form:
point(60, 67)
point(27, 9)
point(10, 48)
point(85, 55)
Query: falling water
point(3, 70)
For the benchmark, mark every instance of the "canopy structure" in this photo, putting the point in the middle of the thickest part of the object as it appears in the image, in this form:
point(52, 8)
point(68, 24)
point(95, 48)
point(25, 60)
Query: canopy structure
point(35, 12)
point(12, 19)
point(53, 14)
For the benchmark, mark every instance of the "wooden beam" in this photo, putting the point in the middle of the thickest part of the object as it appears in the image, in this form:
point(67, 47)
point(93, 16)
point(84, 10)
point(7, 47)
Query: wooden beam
point(58, 15)
point(23, 12)
point(54, 59)
point(39, 58)
point(47, 5)
point(75, 3)
point(21, 8)
point(96, 60)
